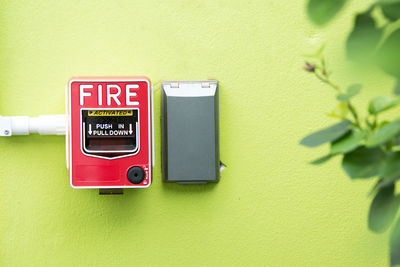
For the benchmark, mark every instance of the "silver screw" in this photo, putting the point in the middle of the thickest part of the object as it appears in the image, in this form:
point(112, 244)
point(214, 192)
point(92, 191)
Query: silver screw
point(6, 132)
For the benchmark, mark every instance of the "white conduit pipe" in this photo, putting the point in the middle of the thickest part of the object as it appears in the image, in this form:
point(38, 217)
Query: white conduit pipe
point(24, 125)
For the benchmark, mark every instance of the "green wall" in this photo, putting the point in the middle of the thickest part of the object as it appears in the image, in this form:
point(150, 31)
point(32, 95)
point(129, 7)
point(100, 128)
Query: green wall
point(270, 208)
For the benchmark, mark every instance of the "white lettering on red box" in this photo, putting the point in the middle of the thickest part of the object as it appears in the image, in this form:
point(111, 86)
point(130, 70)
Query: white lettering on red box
point(113, 93)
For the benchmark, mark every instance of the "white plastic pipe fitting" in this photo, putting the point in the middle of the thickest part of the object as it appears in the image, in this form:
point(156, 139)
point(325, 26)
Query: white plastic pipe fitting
point(24, 125)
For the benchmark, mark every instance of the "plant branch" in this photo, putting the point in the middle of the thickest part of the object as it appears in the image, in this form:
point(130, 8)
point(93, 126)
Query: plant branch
point(321, 72)
point(325, 79)
point(354, 113)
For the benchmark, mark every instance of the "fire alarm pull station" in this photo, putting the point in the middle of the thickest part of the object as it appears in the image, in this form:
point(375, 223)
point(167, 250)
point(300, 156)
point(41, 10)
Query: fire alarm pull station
point(110, 133)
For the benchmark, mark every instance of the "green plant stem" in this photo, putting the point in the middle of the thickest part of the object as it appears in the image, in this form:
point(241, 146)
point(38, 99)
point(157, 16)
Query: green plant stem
point(368, 123)
point(375, 122)
point(325, 79)
point(389, 145)
point(354, 113)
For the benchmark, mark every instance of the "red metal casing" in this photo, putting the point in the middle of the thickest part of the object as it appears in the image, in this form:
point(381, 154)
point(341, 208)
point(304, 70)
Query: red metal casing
point(93, 94)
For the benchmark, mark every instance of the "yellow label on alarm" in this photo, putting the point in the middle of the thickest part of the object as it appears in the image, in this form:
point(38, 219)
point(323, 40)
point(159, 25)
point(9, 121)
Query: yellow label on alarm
point(110, 112)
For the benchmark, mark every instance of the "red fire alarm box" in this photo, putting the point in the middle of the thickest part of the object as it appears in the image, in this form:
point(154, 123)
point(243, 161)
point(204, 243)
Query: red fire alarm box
point(110, 136)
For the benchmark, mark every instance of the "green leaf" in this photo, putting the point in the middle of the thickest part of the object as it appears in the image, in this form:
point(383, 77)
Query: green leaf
point(342, 97)
point(396, 89)
point(383, 209)
point(381, 103)
point(384, 134)
point(321, 160)
point(363, 162)
point(391, 9)
point(354, 89)
point(396, 141)
point(380, 184)
point(364, 38)
point(390, 168)
point(383, 123)
point(388, 55)
point(348, 142)
point(326, 135)
point(317, 53)
point(340, 112)
point(395, 244)
point(322, 11)
point(351, 91)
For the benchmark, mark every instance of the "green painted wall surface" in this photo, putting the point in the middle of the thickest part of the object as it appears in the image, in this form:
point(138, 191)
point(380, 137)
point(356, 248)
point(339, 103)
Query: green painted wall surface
point(270, 208)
